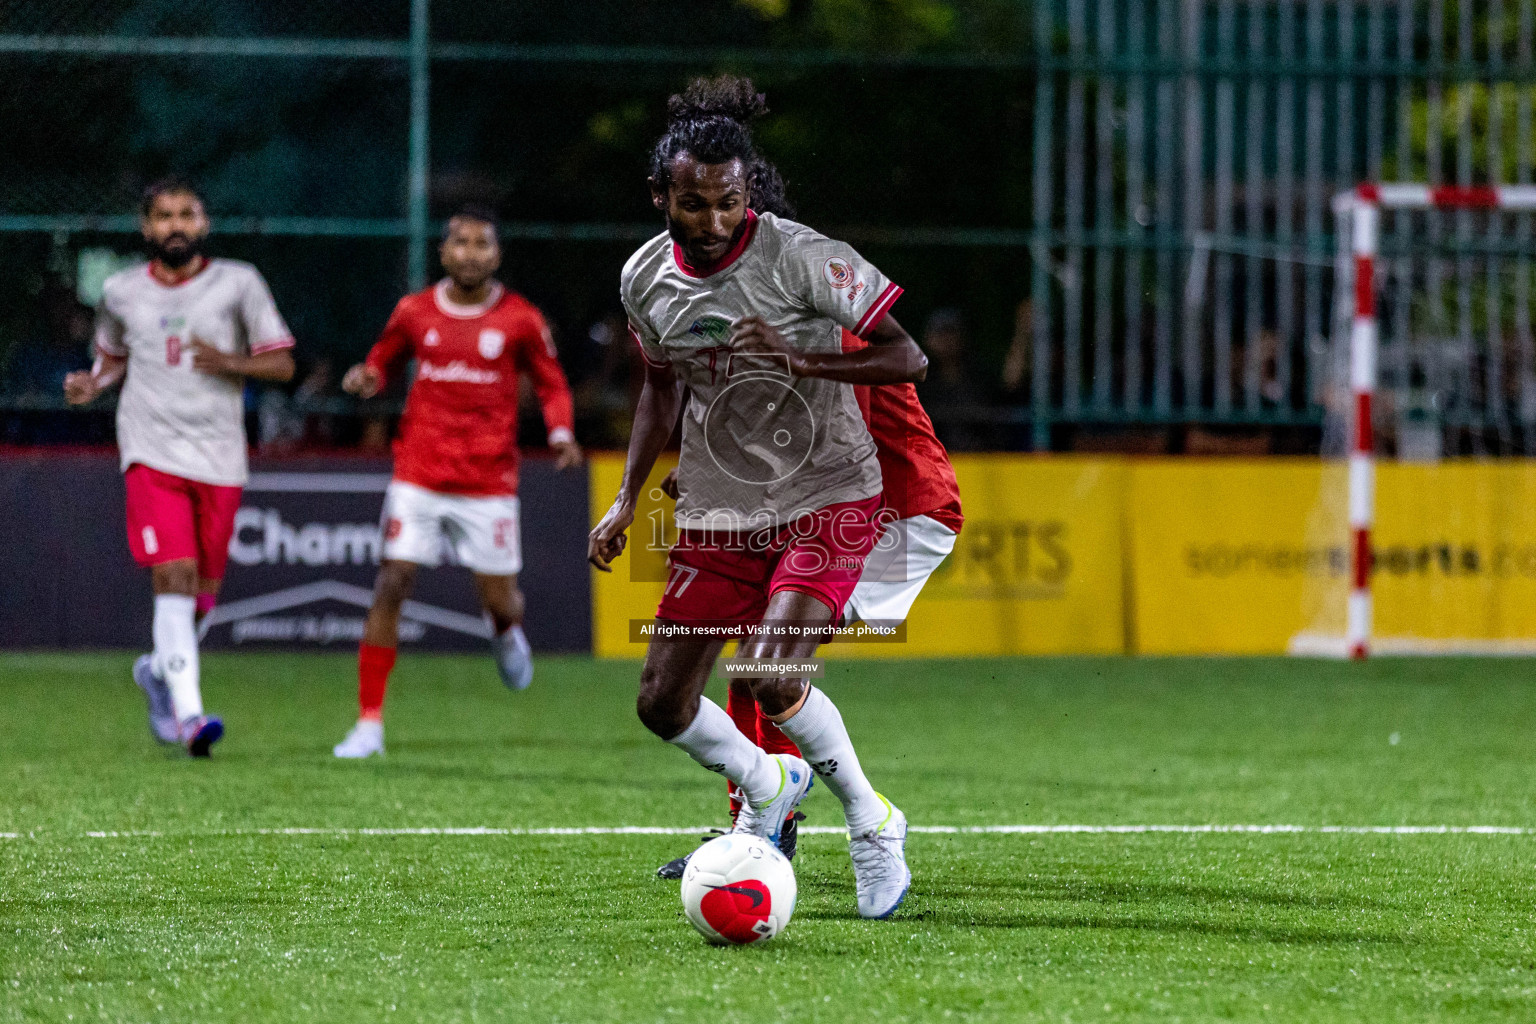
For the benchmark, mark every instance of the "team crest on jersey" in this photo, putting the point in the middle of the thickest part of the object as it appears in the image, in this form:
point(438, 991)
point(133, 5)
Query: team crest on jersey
point(711, 328)
point(839, 273)
point(492, 342)
point(431, 338)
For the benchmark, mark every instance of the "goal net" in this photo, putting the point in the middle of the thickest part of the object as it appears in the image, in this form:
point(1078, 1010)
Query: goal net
point(1427, 498)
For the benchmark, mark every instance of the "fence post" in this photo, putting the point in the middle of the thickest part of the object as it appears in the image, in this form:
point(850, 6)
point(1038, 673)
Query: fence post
point(416, 198)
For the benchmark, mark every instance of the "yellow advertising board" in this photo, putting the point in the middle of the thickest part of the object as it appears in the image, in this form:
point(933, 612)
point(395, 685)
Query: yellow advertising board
point(1038, 568)
point(633, 590)
point(1066, 555)
point(1225, 554)
point(1455, 547)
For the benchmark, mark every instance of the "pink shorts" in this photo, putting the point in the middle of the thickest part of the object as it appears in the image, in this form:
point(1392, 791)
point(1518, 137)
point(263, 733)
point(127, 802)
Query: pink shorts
point(171, 517)
point(724, 580)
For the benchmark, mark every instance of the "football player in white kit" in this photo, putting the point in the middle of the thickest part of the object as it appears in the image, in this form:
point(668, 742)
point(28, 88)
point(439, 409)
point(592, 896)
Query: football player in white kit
point(182, 335)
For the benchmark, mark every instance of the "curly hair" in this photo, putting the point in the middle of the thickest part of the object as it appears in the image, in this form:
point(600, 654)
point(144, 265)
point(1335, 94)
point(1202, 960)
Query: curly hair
point(711, 121)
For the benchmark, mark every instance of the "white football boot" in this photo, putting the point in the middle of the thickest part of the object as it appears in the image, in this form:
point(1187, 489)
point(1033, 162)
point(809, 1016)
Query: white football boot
point(795, 781)
point(880, 873)
point(365, 740)
point(514, 658)
point(162, 719)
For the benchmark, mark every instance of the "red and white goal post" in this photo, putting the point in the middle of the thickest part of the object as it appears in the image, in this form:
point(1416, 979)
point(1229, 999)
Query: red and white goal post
point(1364, 207)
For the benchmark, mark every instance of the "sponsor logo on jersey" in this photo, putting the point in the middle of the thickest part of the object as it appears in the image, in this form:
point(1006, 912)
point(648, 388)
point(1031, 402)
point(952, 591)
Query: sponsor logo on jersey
point(711, 328)
point(431, 339)
point(492, 342)
point(456, 372)
point(172, 323)
point(839, 273)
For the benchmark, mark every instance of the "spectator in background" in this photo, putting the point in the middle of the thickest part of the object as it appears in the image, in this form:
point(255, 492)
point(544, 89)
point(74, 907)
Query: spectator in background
point(287, 422)
point(58, 343)
point(610, 384)
point(952, 393)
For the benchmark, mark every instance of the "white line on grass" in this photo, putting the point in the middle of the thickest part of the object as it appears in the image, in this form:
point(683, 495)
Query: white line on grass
point(826, 830)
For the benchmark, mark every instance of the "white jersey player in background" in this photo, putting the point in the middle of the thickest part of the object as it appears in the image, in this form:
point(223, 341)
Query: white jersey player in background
point(181, 335)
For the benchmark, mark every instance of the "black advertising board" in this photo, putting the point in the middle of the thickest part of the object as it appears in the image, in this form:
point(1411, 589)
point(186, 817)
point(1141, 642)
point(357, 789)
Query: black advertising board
point(301, 567)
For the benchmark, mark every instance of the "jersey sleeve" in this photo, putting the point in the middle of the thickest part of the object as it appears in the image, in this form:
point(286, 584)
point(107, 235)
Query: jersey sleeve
point(109, 333)
point(645, 337)
point(264, 326)
point(538, 359)
point(831, 278)
point(393, 347)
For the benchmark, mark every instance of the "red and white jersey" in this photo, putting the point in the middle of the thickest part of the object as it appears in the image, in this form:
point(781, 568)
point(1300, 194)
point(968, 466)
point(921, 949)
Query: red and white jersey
point(171, 417)
point(459, 432)
point(914, 467)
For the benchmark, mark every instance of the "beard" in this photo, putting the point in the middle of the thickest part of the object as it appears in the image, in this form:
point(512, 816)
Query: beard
point(176, 251)
point(676, 232)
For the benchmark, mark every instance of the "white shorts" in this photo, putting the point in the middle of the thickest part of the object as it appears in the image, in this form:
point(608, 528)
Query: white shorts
point(907, 553)
point(478, 533)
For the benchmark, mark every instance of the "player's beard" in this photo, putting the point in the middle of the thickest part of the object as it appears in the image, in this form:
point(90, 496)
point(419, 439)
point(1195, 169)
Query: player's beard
point(176, 258)
point(682, 240)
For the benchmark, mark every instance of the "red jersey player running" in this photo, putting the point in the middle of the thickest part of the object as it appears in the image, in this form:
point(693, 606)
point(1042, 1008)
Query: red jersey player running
point(455, 480)
point(923, 519)
point(181, 336)
point(778, 480)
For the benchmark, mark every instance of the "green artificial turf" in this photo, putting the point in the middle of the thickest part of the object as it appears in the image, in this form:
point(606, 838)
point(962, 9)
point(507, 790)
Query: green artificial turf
point(210, 920)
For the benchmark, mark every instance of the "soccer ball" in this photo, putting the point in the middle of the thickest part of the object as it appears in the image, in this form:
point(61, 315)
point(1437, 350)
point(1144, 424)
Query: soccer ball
point(738, 889)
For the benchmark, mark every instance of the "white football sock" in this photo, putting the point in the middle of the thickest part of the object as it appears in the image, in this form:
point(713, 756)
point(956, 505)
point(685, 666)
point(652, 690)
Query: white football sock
point(714, 741)
point(818, 730)
point(175, 632)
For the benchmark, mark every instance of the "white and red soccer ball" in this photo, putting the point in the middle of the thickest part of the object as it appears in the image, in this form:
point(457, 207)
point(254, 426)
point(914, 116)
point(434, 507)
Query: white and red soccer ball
point(738, 889)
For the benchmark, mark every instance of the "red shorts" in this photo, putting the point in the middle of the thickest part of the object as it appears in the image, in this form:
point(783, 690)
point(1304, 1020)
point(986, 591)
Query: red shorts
point(171, 517)
point(724, 580)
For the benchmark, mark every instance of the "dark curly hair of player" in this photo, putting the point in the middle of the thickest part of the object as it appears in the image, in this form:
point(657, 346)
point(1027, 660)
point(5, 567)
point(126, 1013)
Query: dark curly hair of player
point(711, 120)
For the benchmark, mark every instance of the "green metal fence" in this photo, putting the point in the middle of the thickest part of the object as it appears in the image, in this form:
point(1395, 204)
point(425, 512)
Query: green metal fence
point(1186, 153)
point(1146, 239)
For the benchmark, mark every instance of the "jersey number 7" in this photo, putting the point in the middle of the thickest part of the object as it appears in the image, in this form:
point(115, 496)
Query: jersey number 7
point(682, 575)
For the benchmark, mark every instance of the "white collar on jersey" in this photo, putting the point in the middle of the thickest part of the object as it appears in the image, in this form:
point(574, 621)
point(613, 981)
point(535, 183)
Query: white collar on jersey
point(447, 305)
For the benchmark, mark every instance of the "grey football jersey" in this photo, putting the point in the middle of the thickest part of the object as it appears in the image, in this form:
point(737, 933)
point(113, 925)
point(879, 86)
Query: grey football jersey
point(760, 446)
point(171, 417)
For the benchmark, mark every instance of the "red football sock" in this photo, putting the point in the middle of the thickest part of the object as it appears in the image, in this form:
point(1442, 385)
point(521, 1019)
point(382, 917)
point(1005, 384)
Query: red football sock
point(742, 708)
point(373, 667)
point(743, 711)
point(771, 739)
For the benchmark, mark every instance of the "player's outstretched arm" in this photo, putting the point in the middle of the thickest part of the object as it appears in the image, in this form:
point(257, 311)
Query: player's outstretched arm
point(276, 366)
point(661, 402)
point(83, 386)
point(891, 358)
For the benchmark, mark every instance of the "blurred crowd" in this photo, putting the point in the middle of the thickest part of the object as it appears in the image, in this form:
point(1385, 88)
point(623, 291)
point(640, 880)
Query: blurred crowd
point(976, 403)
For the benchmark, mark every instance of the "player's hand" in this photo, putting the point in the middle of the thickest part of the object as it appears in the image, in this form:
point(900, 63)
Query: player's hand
point(362, 380)
point(754, 335)
point(669, 484)
point(207, 359)
point(567, 455)
point(81, 387)
point(606, 541)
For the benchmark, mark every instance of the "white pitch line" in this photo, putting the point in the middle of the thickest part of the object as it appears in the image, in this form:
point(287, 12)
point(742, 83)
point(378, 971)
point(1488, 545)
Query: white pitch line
point(827, 830)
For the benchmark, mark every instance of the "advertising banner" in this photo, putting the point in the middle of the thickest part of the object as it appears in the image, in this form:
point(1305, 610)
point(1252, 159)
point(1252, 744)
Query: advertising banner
point(1038, 568)
point(1226, 556)
point(302, 561)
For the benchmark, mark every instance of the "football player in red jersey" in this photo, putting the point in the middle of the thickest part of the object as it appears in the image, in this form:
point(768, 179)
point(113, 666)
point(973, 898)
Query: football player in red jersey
point(922, 505)
point(455, 480)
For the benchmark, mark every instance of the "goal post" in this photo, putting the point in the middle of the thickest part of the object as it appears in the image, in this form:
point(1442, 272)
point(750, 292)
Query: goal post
point(1457, 277)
